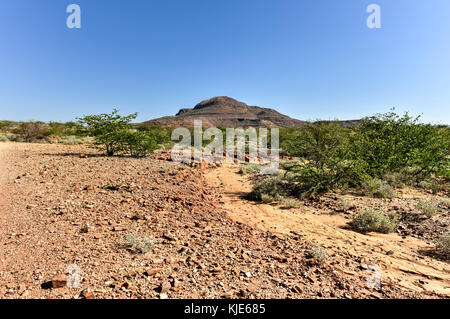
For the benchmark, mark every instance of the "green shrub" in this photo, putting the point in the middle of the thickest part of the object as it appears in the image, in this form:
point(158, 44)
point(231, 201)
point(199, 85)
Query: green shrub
point(161, 135)
point(389, 143)
point(326, 165)
point(109, 130)
point(429, 208)
point(272, 189)
point(291, 165)
point(397, 149)
point(371, 220)
point(378, 188)
point(3, 138)
point(139, 143)
point(318, 254)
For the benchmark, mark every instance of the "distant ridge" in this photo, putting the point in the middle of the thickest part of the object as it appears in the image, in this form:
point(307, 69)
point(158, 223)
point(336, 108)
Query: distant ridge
point(227, 112)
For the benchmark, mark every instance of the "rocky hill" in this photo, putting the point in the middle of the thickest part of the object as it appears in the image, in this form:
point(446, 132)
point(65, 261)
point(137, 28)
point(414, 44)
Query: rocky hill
point(227, 112)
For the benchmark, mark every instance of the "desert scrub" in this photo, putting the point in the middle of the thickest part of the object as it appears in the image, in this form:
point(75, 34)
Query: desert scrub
point(291, 203)
point(377, 188)
point(429, 208)
point(429, 185)
point(249, 169)
point(272, 189)
point(70, 140)
point(371, 220)
point(318, 254)
point(3, 138)
point(346, 204)
point(136, 244)
point(443, 245)
point(396, 179)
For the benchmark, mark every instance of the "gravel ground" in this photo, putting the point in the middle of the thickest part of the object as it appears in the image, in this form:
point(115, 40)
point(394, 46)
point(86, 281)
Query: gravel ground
point(55, 211)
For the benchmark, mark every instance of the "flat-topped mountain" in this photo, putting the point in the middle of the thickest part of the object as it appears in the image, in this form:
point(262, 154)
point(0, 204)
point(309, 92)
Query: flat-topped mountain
point(226, 112)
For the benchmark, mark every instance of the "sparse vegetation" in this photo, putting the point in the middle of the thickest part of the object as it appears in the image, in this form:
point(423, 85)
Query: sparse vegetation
point(318, 254)
point(272, 189)
point(443, 245)
point(291, 203)
point(346, 204)
point(371, 220)
point(136, 244)
point(71, 140)
point(249, 169)
point(384, 152)
point(31, 131)
point(378, 188)
point(429, 208)
point(114, 187)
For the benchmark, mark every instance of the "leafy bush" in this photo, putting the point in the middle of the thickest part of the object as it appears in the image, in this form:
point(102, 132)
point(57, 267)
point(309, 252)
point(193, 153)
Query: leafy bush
point(389, 143)
point(324, 148)
point(4, 138)
point(371, 220)
point(272, 189)
point(318, 254)
point(378, 188)
point(109, 130)
point(138, 144)
point(429, 208)
point(161, 135)
point(384, 151)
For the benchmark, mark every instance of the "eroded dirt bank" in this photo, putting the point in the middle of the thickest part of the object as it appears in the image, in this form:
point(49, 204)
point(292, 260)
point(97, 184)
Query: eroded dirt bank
point(55, 211)
point(400, 259)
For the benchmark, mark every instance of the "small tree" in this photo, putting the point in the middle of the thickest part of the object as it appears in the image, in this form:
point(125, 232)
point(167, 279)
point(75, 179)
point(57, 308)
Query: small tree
point(108, 130)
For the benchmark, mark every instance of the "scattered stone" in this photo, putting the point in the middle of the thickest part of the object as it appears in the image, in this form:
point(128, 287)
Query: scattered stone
point(58, 281)
point(87, 294)
point(153, 271)
point(165, 287)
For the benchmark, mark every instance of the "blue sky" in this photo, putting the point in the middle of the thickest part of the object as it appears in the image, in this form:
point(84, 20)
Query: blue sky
point(307, 59)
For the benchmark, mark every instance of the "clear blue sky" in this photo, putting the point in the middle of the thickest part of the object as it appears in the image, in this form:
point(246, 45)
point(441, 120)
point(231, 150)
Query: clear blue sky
point(308, 59)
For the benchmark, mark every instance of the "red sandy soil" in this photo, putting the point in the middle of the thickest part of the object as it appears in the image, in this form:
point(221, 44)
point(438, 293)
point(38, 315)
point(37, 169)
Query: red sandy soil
point(207, 242)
